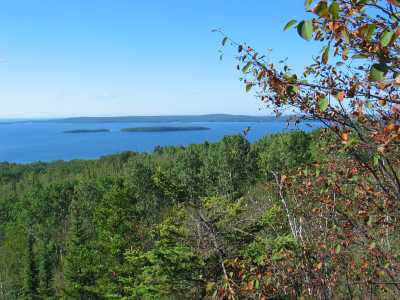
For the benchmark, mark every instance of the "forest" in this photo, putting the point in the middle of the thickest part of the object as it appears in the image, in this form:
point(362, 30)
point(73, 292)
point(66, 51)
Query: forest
point(176, 223)
point(144, 226)
point(293, 216)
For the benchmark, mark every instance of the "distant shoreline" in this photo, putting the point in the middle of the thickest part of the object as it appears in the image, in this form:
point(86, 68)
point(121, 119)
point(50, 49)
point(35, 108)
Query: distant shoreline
point(86, 131)
point(167, 119)
point(164, 129)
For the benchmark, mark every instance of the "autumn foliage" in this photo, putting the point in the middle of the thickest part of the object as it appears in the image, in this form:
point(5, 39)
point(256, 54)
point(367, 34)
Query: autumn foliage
point(344, 209)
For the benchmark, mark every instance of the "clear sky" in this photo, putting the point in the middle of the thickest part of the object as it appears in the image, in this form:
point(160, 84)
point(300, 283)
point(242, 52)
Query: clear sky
point(128, 57)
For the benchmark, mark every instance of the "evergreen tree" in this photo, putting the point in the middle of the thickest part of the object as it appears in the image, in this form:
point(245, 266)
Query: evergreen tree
point(31, 284)
point(169, 270)
point(79, 266)
point(46, 290)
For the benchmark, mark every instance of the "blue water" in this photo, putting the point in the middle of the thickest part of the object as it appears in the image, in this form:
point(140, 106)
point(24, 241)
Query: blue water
point(41, 141)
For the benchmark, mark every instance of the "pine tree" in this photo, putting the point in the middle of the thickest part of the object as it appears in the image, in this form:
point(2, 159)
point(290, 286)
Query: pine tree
point(31, 280)
point(80, 277)
point(46, 290)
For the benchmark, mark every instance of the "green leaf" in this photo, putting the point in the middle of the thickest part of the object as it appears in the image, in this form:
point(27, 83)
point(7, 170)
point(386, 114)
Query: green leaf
point(247, 67)
point(368, 31)
point(248, 87)
point(224, 41)
point(325, 55)
point(323, 103)
point(338, 248)
point(378, 72)
point(346, 36)
point(386, 37)
point(305, 29)
point(292, 90)
point(362, 2)
point(256, 284)
point(376, 159)
point(289, 24)
point(360, 56)
point(334, 9)
point(215, 294)
point(321, 9)
point(307, 3)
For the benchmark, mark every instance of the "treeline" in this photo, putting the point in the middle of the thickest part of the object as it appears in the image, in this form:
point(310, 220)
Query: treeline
point(144, 226)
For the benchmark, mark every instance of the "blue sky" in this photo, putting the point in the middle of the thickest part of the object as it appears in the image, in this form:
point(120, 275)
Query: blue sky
point(128, 57)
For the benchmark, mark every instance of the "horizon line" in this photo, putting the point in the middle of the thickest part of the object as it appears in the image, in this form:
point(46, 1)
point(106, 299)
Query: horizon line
point(128, 116)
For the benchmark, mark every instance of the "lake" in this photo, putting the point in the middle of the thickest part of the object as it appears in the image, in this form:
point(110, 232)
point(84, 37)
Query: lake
point(30, 141)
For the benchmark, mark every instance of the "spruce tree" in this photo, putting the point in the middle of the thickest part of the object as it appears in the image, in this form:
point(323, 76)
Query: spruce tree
point(79, 275)
point(31, 280)
point(46, 290)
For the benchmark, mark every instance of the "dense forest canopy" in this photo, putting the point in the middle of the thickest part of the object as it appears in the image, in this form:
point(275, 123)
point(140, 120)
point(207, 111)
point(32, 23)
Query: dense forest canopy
point(142, 226)
point(293, 216)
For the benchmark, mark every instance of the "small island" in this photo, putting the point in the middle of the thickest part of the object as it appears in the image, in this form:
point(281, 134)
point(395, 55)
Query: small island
point(86, 130)
point(164, 129)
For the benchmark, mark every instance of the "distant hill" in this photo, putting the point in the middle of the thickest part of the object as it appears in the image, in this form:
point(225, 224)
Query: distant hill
point(177, 118)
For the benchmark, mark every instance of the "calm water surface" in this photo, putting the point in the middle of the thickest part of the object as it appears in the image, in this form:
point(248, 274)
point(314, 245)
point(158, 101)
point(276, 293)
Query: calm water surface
point(41, 141)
